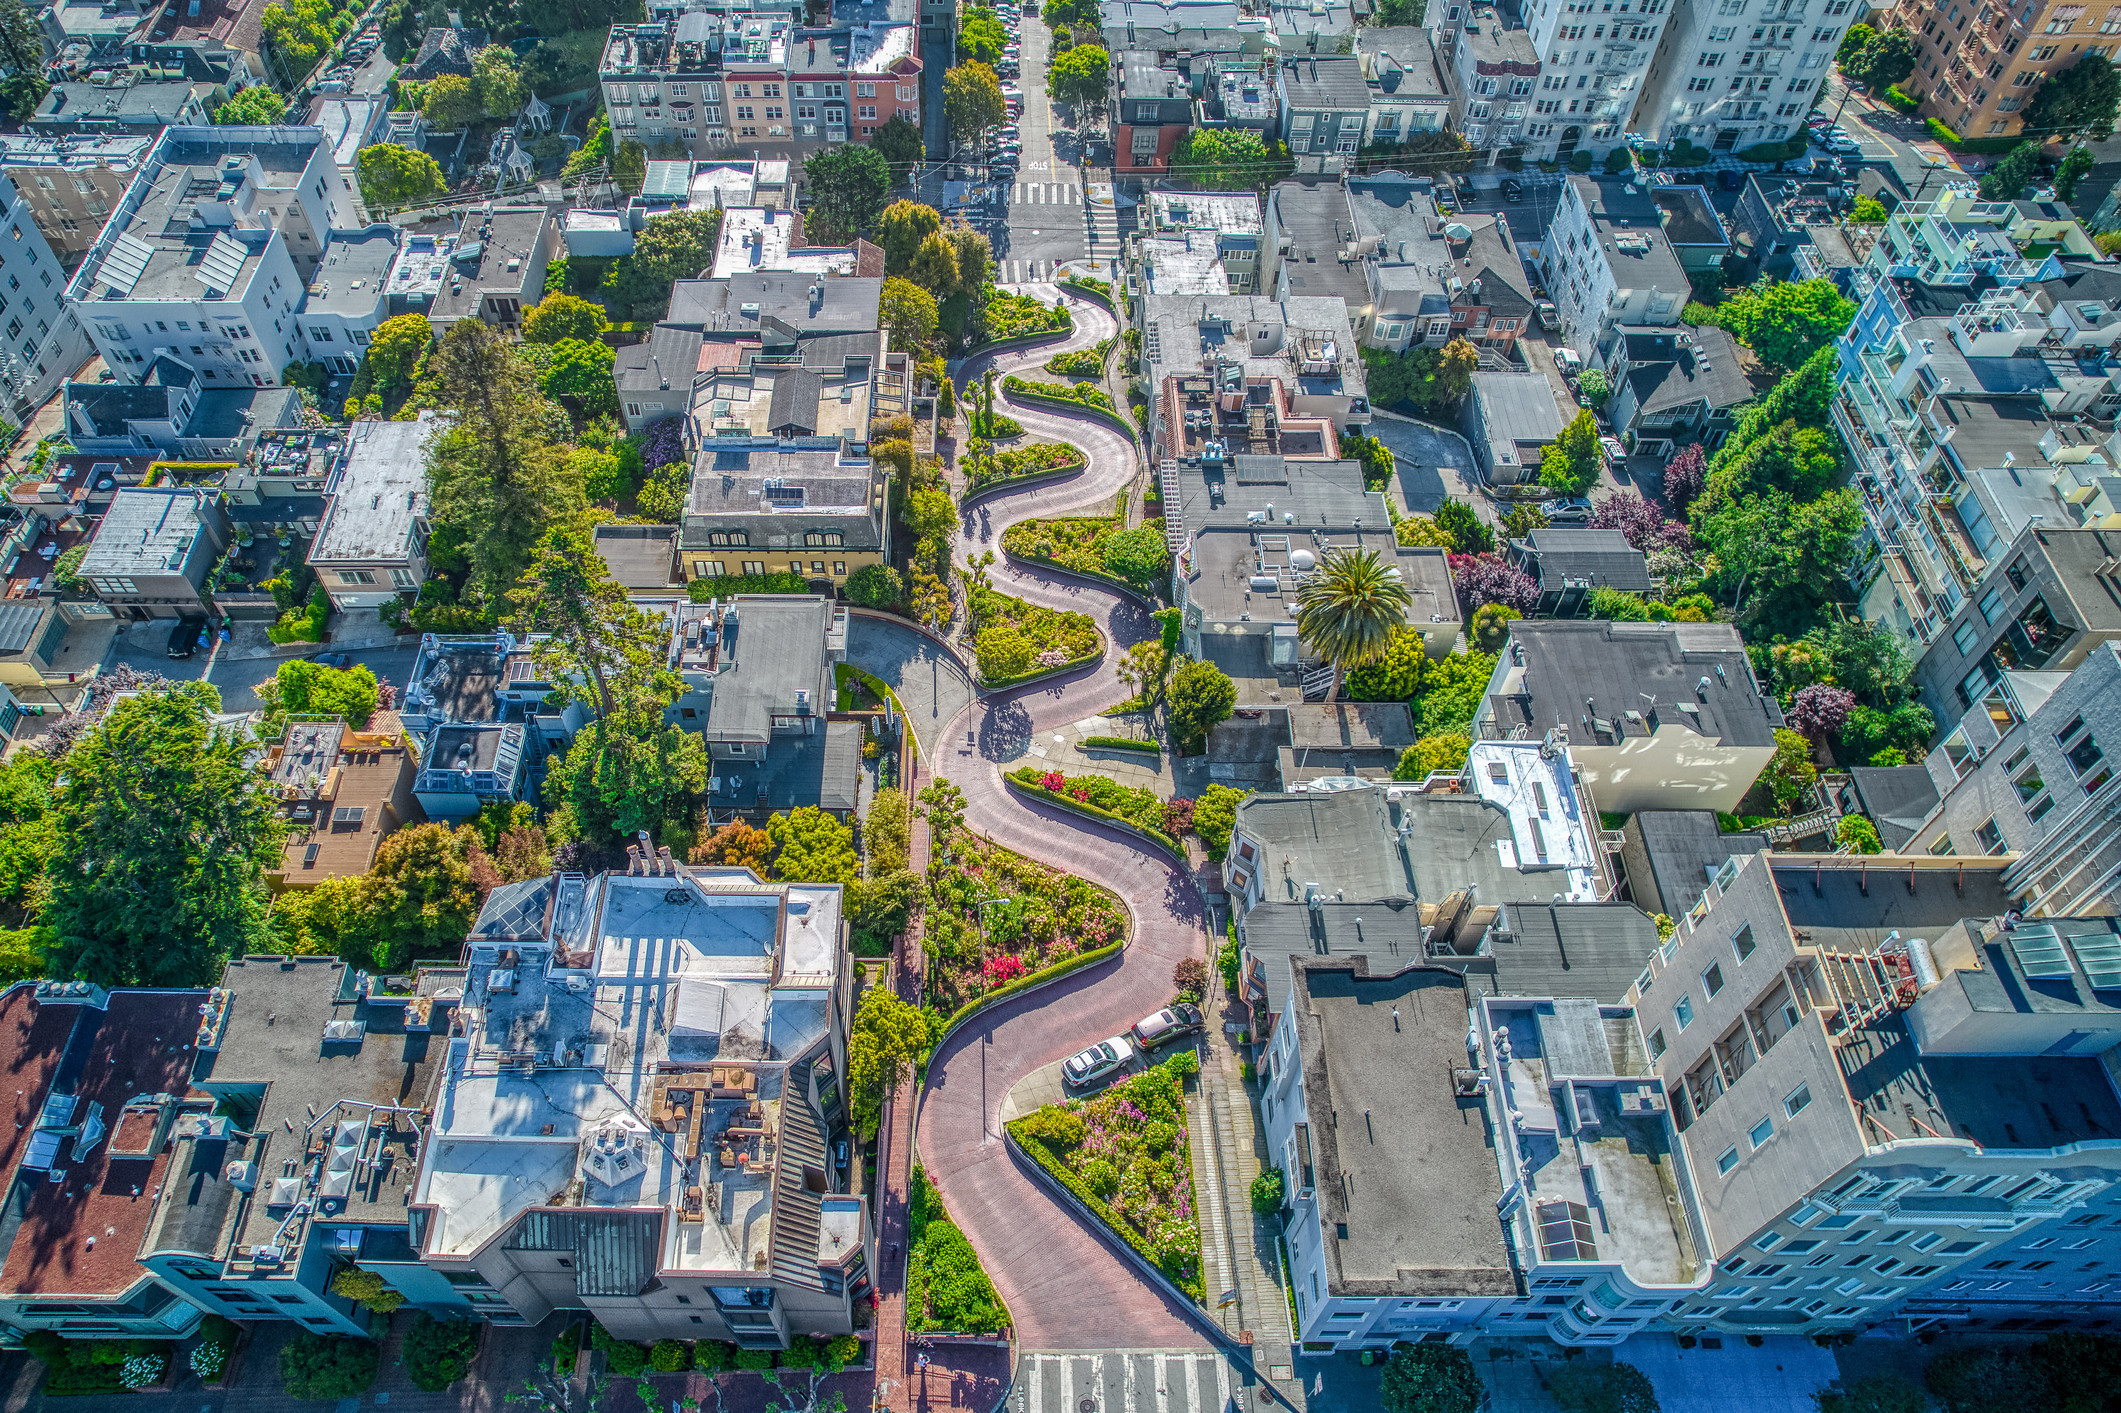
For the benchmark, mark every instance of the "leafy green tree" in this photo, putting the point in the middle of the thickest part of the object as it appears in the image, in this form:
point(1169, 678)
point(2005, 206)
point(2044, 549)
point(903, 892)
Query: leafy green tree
point(367, 1287)
point(439, 1353)
point(302, 688)
point(1789, 557)
point(629, 770)
point(1463, 529)
point(1430, 1378)
point(1223, 159)
point(1886, 58)
point(1602, 1388)
point(419, 899)
point(1790, 773)
point(1432, 754)
point(1491, 626)
point(296, 33)
point(1594, 386)
point(972, 102)
point(2073, 170)
point(1854, 829)
point(1199, 697)
point(1852, 43)
point(1267, 1191)
point(1215, 815)
point(2077, 102)
point(934, 267)
point(1347, 608)
point(326, 1367)
point(848, 185)
point(1451, 692)
point(1377, 461)
point(1801, 460)
point(392, 176)
point(629, 165)
point(1868, 211)
point(876, 586)
point(1788, 323)
point(909, 312)
point(664, 492)
point(1394, 677)
point(256, 106)
point(901, 230)
point(497, 81)
point(887, 1039)
point(1880, 1393)
point(452, 103)
point(1003, 652)
point(1080, 76)
point(1138, 556)
point(1903, 731)
point(563, 316)
point(580, 370)
point(22, 54)
point(1862, 657)
point(899, 140)
point(810, 846)
point(980, 36)
point(170, 830)
point(2007, 180)
point(676, 246)
point(1571, 466)
point(395, 349)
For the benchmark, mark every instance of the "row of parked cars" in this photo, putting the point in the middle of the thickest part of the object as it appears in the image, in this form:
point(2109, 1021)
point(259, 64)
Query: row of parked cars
point(1109, 1057)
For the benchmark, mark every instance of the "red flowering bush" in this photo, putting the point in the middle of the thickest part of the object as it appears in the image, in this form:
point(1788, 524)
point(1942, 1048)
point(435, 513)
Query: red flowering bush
point(1178, 815)
point(1001, 970)
point(1053, 780)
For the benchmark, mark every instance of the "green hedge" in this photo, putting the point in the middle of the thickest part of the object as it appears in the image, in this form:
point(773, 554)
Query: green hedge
point(1017, 341)
point(1978, 146)
point(1096, 291)
point(727, 585)
point(304, 625)
point(1069, 666)
point(1121, 743)
point(1069, 404)
point(1900, 101)
point(1037, 1151)
point(1029, 478)
point(1113, 579)
point(1083, 393)
point(1022, 984)
point(1152, 836)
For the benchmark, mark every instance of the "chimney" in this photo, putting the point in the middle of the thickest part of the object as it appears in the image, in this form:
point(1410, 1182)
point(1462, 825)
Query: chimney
point(633, 860)
point(670, 868)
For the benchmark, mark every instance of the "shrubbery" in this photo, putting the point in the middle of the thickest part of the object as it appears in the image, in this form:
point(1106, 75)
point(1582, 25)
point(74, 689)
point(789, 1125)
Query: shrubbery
point(316, 1366)
point(439, 1352)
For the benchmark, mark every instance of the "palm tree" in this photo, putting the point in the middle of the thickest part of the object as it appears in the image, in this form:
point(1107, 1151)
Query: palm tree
point(1348, 607)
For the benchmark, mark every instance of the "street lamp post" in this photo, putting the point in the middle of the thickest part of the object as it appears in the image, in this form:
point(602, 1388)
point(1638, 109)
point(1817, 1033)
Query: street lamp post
point(1934, 166)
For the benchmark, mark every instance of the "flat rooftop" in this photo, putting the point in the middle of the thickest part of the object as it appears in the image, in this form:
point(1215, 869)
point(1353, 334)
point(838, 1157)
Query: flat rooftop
point(1410, 1170)
point(1587, 676)
point(352, 276)
point(381, 492)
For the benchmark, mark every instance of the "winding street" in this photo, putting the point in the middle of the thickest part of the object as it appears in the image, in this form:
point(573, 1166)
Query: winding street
point(1066, 1286)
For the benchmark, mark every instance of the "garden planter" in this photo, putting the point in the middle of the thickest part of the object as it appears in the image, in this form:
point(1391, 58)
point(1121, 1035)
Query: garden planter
point(227, 1377)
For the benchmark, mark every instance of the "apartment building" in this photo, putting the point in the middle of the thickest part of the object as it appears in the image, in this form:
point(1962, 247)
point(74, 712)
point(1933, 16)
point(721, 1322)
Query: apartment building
point(1494, 70)
point(758, 82)
point(71, 186)
point(206, 257)
point(45, 342)
point(124, 103)
point(1430, 279)
point(691, 1183)
point(342, 791)
point(769, 661)
point(372, 544)
point(153, 550)
point(1152, 111)
point(1977, 66)
point(800, 504)
point(349, 296)
point(1567, 563)
point(1868, 1112)
point(1407, 91)
point(1657, 715)
point(1609, 264)
point(1726, 76)
point(1325, 112)
point(1231, 220)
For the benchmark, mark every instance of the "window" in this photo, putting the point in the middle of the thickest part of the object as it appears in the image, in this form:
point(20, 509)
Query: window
point(1657, 1045)
point(1965, 636)
point(1742, 943)
point(1797, 1100)
point(1683, 1011)
point(1761, 1132)
point(1991, 605)
point(1727, 1160)
point(1942, 847)
point(1988, 836)
point(356, 576)
point(2085, 754)
point(1712, 979)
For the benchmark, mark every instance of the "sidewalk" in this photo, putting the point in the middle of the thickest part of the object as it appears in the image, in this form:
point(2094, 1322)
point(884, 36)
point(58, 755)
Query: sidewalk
point(1239, 1249)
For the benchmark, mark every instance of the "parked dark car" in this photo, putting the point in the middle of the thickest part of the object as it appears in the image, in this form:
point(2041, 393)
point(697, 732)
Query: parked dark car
point(1731, 180)
point(184, 639)
point(1512, 191)
point(1167, 1024)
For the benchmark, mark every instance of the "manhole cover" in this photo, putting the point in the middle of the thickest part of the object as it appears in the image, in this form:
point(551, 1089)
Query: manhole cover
point(1088, 1405)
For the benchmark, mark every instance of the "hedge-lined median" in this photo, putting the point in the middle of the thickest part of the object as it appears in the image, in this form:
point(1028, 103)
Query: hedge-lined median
point(1034, 394)
point(1026, 782)
point(1027, 982)
point(987, 469)
point(1121, 743)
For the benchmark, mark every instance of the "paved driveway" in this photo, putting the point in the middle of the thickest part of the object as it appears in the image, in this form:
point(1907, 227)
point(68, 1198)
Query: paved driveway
point(1431, 465)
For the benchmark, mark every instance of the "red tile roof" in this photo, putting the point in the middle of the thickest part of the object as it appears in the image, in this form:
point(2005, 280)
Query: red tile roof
point(32, 1042)
point(142, 1046)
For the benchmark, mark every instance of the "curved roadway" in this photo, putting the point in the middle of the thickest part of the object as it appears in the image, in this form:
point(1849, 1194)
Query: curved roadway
point(1066, 1287)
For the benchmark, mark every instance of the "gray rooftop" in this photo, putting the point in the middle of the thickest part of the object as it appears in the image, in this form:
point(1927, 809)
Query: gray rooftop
point(1689, 219)
point(275, 1036)
point(147, 530)
point(1552, 554)
point(382, 492)
point(479, 264)
point(1620, 210)
point(1667, 374)
point(1343, 841)
point(822, 770)
point(1998, 1101)
point(1576, 670)
point(349, 279)
point(1332, 84)
point(664, 362)
point(1834, 904)
point(1898, 798)
point(1402, 62)
point(1590, 951)
point(774, 648)
point(840, 304)
point(640, 556)
point(1518, 408)
point(19, 621)
point(1313, 223)
point(1416, 1183)
point(1669, 856)
point(147, 104)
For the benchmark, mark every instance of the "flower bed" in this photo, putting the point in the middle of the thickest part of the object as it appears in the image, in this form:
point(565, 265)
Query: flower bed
point(1100, 546)
point(1082, 363)
point(1137, 805)
point(987, 469)
point(1016, 640)
point(1035, 917)
point(1125, 1155)
point(1083, 393)
point(1015, 316)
